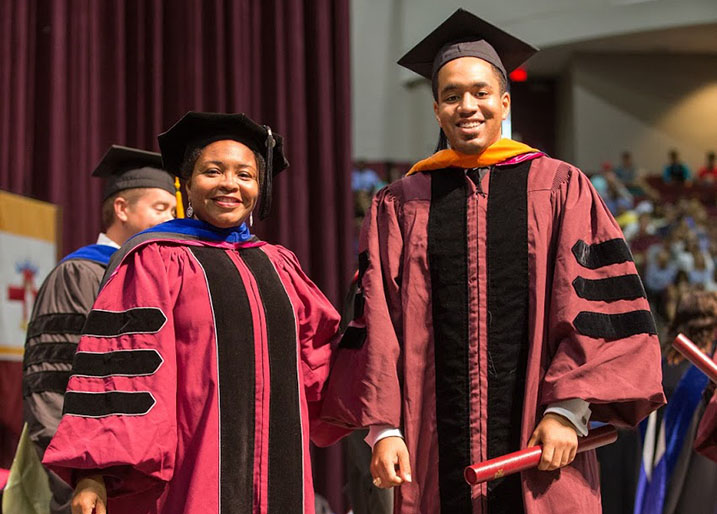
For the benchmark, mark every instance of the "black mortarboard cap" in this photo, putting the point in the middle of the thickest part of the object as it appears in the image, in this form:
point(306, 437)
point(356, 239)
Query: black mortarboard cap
point(464, 34)
point(128, 168)
point(198, 129)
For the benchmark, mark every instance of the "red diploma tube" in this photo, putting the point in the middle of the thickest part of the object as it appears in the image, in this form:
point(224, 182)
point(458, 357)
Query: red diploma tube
point(530, 457)
point(696, 356)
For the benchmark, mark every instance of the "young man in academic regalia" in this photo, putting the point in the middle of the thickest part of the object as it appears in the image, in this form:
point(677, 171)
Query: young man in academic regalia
point(500, 306)
point(137, 195)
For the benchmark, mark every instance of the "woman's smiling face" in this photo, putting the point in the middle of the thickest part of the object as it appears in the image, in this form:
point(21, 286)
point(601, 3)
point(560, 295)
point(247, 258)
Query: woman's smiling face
point(224, 186)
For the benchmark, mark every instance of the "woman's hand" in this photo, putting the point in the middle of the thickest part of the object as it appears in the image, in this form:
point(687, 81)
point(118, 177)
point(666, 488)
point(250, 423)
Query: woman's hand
point(90, 493)
point(389, 464)
point(559, 440)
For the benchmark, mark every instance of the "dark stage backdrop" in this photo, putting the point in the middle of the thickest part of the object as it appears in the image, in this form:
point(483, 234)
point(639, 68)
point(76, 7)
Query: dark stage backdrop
point(79, 75)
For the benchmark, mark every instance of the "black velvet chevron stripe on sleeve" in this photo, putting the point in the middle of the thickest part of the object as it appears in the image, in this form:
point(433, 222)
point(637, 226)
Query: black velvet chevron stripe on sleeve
point(55, 353)
point(598, 255)
point(140, 320)
point(45, 381)
point(611, 289)
point(58, 323)
point(117, 363)
point(614, 326)
point(111, 403)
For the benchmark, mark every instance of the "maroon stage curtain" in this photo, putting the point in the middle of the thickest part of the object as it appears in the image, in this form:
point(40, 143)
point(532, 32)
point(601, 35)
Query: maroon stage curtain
point(79, 75)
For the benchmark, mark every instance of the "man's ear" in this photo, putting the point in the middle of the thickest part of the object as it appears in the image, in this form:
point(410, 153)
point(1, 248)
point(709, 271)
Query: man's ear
point(505, 100)
point(120, 206)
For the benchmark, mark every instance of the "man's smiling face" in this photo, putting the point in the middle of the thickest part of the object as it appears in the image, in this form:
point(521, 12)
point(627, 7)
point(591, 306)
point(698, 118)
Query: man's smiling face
point(471, 104)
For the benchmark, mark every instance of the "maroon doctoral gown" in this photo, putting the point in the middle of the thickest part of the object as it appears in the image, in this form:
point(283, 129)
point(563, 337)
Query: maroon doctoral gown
point(486, 298)
point(198, 380)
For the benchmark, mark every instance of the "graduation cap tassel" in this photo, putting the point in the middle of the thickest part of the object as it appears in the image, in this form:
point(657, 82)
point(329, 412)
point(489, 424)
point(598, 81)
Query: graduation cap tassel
point(266, 187)
point(178, 194)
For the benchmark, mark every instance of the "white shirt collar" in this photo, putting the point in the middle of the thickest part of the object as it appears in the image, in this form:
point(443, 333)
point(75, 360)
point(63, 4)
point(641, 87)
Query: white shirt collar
point(102, 239)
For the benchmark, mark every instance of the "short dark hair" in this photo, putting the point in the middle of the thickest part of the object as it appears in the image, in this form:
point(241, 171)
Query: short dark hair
point(187, 166)
point(108, 206)
point(502, 80)
point(696, 317)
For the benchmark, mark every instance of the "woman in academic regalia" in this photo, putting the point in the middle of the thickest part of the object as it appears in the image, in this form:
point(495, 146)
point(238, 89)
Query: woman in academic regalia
point(203, 362)
point(680, 479)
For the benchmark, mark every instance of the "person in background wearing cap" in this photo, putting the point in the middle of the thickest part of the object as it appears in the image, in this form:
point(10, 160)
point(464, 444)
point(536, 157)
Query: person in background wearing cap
point(137, 195)
point(199, 377)
point(501, 307)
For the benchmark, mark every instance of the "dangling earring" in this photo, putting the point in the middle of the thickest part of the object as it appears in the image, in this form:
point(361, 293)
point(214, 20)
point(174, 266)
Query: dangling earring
point(190, 209)
point(251, 219)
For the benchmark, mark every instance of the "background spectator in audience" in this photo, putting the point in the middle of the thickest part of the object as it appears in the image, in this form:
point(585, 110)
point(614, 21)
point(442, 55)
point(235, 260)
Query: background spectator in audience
point(642, 236)
point(702, 273)
point(394, 171)
point(364, 178)
point(690, 246)
point(625, 171)
point(675, 291)
point(612, 191)
point(708, 172)
point(642, 226)
point(675, 170)
point(664, 216)
point(660, 274)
